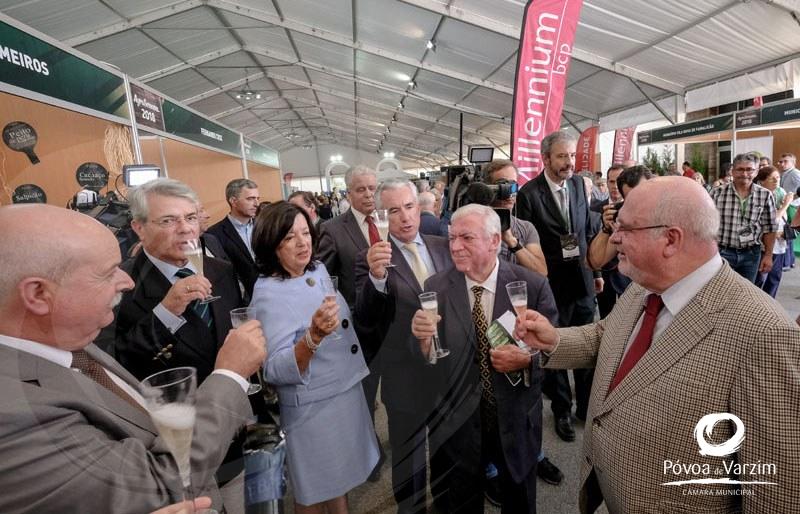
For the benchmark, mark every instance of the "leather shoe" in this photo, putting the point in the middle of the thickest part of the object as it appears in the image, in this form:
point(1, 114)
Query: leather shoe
point(548, 472)
point(564, 428)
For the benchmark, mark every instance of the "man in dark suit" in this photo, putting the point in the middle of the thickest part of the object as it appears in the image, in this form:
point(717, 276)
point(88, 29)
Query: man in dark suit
point(555, 202)
point(82, 441)
point(212, 247)
point(234, 231)
point(159, 323)
point(430, 223)
point(386, 301)
point(481, 416)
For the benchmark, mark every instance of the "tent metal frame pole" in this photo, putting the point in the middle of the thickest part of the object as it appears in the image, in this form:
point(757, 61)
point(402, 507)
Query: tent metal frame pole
point(655, 104)
point(570, 123)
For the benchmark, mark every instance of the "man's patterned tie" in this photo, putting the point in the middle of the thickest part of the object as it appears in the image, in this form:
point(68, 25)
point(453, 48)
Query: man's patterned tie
point(488, 405)
point(84, 363)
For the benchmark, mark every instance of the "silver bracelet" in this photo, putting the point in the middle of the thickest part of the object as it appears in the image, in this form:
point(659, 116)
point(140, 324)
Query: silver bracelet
point(310, 343)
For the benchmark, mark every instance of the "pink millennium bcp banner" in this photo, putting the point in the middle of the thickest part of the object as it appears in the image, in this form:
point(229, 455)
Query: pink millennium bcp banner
point(545, 50)
point(623, 144)
point(584, 158)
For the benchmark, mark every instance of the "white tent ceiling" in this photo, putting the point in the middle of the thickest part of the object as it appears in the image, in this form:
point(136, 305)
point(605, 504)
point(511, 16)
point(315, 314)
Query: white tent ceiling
point(339, 71)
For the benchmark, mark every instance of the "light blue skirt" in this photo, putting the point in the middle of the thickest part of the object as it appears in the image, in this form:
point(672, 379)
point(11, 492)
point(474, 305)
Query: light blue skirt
point(331, 447)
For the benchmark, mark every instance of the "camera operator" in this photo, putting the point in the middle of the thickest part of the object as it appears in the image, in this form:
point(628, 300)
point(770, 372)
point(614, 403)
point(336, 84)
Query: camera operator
point(520, 243)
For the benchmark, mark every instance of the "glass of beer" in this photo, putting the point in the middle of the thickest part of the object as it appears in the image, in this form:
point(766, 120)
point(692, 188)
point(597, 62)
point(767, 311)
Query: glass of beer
point(430, 306)
point(238, 318)
point(170, 399)
point(193, 251)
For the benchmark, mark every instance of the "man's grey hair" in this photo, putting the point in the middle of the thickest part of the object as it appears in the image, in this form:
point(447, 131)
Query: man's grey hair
point(747, 157)
point(235, 187)
point(357, 171)
point(556, 137)
point(672, 207)
point(427, 200)
point(491, 221)
point(138, 196)
point(391, 185)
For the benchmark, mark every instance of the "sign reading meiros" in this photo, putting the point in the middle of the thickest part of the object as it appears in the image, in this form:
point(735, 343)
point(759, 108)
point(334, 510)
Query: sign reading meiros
point(24, 60)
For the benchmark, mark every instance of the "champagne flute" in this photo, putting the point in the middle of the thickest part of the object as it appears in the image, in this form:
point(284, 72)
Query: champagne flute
point(430, 306)
point(330, 286)
point(382, 224)
point(170, 399)
point(238, 318)
point(518, 295)
point(193, 251)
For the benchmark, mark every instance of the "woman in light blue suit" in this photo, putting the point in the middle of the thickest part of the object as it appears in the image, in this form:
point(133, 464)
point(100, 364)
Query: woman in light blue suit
point(315, 362)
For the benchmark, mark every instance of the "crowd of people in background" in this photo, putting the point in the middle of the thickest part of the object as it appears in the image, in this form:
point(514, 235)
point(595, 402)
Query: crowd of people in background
point(653, 283)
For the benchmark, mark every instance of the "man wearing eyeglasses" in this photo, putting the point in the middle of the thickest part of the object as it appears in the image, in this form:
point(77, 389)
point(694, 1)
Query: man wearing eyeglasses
point(159, 324)
point(747, 220)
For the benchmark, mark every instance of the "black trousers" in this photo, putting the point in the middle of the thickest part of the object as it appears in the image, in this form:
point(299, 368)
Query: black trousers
point(556, 382)
point(458, 473)
point(407, 437)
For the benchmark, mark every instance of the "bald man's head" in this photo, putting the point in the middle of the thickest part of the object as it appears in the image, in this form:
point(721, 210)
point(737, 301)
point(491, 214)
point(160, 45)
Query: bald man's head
point(426, 201)
point(60, 275)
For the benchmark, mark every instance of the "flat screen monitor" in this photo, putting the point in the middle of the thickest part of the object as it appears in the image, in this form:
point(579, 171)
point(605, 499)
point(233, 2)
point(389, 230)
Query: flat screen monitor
point(137, 174)
point(481, 154)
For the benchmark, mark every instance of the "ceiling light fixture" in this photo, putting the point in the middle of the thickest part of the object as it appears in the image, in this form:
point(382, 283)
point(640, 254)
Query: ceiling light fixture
point(412, 84)
point(388, 155)
point(430, 45)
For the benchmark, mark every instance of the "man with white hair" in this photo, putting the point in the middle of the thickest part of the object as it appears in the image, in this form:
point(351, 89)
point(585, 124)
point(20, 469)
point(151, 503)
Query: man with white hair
point(75, 435)
point(429, 222)
point(689, 339)
point(488, 401)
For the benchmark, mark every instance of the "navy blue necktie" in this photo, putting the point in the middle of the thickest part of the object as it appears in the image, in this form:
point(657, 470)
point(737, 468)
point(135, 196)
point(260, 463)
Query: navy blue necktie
point(201, 309)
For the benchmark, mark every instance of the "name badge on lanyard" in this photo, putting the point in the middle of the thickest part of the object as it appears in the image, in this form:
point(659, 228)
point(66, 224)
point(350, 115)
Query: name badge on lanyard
point(569, 247)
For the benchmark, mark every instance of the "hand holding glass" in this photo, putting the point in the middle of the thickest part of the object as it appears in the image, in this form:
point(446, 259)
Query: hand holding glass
point(193, 251)
point(382, 224)
point(330, 286)
point(170, 398)
point(430, 306)
point(518, 295)
point(238, 318)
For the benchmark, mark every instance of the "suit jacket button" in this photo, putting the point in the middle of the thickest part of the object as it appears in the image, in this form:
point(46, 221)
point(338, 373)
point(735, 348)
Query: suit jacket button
point(345, 323)
point(354, 349)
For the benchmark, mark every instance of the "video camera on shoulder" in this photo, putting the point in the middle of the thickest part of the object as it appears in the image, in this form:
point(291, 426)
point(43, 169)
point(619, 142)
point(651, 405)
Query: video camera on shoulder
point(467, 183)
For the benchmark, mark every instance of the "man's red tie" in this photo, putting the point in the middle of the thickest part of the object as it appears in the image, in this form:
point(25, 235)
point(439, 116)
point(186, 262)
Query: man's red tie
point(642, 341)
point(374, 236)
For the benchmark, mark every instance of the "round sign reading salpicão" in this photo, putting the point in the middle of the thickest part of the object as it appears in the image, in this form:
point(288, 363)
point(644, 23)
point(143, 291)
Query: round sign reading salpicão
point(91, 175)
point(29, 193)
point(21, 137)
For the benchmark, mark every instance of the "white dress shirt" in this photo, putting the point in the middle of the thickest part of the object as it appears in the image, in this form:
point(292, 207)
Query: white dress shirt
point(489, 291)
point(380, 284)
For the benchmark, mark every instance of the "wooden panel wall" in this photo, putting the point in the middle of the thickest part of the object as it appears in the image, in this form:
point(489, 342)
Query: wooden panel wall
point(783, 140)
point(268, 180)
point(66, 140)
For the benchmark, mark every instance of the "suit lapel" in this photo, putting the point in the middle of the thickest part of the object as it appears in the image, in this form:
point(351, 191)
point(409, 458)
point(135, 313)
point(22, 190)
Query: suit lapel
point(685, 331)
point(439, 257)
point(546, 198)
point(350, 224)
point(457, 303)
point(403, 270)
point(501, 301)
point(234, 236)
point(151, 284)
point(218, 310)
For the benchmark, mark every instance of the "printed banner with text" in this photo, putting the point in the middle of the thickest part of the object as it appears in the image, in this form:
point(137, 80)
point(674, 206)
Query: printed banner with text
point(545, 51)
point(623, 144)
point(584, 158)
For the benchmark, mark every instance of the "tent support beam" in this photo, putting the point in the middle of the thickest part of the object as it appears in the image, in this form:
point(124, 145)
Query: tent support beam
point(655, 104)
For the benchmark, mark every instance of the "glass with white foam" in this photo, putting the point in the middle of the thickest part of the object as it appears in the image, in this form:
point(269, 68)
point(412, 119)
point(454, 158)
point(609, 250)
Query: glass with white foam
point(382, 224)
point(430, 306)
point(518, 295)
point(170, 399)
point(238, 318)
point(193, 251)
point(330, 287)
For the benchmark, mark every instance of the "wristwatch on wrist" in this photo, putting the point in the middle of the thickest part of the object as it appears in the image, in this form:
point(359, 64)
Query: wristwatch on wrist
point(516, 248)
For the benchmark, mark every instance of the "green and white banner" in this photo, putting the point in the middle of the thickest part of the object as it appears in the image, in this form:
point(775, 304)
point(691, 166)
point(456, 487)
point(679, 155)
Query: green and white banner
point(261, 154)
point(188, 125)
point(35, 65)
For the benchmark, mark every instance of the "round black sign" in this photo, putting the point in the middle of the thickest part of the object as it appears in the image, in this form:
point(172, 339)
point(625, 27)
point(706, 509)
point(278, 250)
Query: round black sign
point(91, 175)
point(21, 137)
point(29, 193)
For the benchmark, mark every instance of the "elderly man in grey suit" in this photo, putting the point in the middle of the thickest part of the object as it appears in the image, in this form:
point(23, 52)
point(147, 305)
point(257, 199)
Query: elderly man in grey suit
point(482, 415)
point(340, 241)
point(692, 357)
point(386, 301)
point(75, 435)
